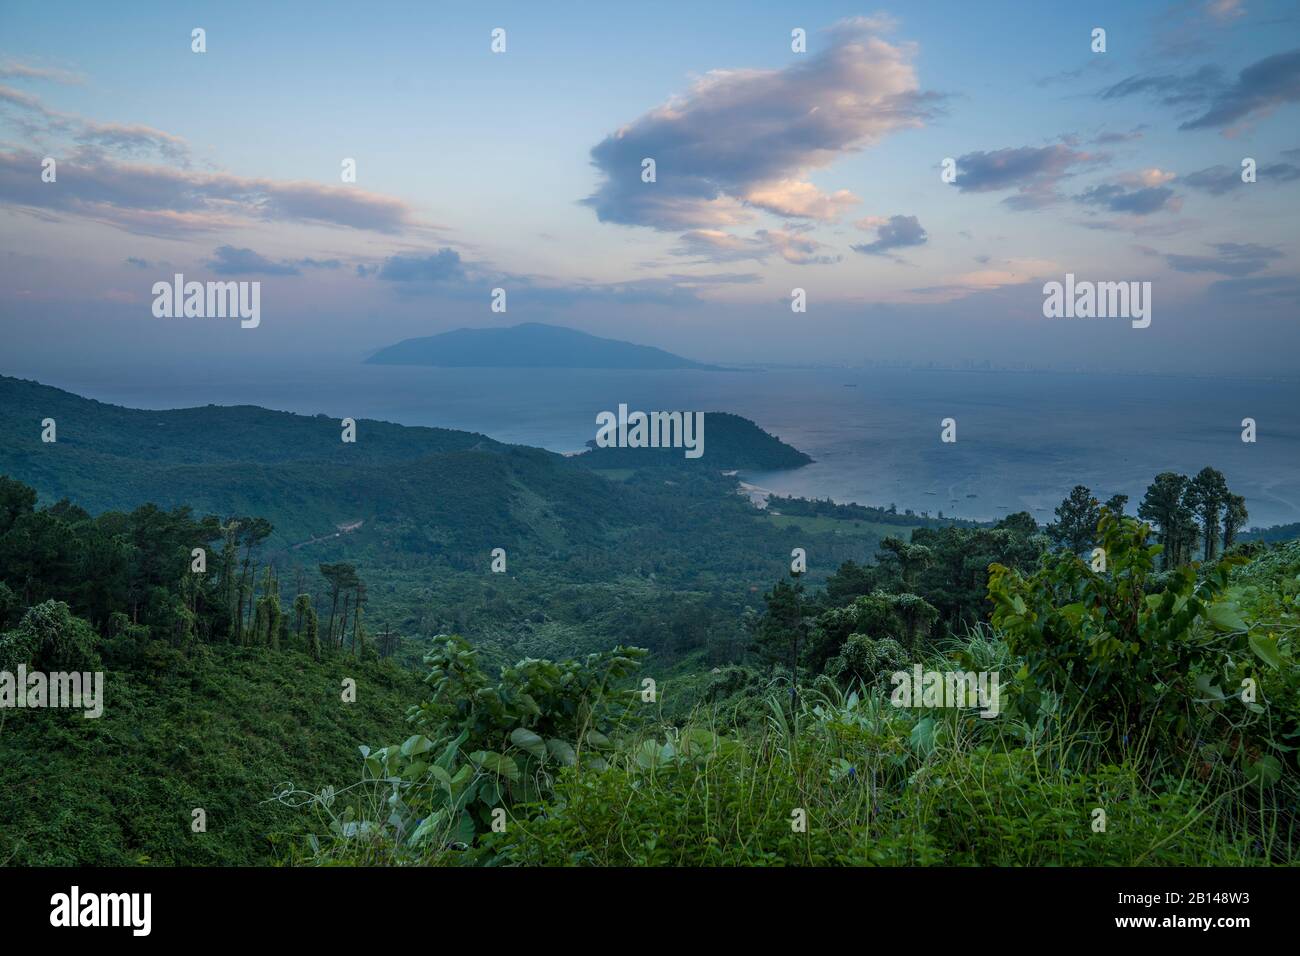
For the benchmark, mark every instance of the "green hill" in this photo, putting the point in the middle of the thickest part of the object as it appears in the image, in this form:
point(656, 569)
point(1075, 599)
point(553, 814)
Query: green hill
point(730, 443)
point(671, 554)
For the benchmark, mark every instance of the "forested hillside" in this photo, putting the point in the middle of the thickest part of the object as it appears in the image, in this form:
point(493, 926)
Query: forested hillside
point(651, 671)
point(667, 554)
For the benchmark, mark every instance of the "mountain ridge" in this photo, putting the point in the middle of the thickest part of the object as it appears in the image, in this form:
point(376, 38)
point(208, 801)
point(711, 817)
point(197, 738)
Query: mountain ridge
point(529, 345)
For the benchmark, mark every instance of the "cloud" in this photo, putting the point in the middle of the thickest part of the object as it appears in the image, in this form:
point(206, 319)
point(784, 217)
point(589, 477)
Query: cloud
point(795, 249)
point(1225, 10)
point(1033, 172)
point(1217, 180)
point(1146, 178)
point(137, 262)
point(1258, 290)
point(445, 274)
point(164, 201)
point(1234, 259)
point(716, 245)
point(230, 261)
point(15, 70)
point(24, 101)
point(1112, 138)
point(437, 267)
point(1171, 89)
point(745, 138)
point(794, 199)
point(133, 138)
point(1013, 272)
point(1260, 87)
point(39, 122)
point(897, 232)
point(673, 289)
point(1138, 202)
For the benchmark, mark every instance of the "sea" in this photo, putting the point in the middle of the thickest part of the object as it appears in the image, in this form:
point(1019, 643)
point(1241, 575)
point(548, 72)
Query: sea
point(1023, 438)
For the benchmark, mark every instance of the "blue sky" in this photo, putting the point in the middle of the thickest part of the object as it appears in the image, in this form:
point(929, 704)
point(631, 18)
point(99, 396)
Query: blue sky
point(776, 170)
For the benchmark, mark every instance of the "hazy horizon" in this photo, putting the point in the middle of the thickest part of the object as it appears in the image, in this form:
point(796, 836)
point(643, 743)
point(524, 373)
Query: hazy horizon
point(777, 170)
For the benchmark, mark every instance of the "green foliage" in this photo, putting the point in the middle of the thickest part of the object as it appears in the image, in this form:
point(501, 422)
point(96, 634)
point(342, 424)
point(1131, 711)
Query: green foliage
point(1134, 654)
point(1076, 520)
point(50, 638)
point(481, 748)
point(861, 783)
point(866, 660)
point(227, 729)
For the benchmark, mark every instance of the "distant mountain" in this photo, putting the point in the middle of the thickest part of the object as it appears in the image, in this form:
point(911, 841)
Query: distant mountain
point(531, 345)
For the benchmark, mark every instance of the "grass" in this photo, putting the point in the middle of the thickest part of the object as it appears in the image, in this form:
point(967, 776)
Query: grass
point(849, 779)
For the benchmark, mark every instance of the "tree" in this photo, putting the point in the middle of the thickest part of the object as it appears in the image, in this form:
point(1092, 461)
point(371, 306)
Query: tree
point(904, 618)
point(301, 605)
point(1162, 506)
point(1205, 497)
point(229, 555)
point(853, 580)
point(1115, 504)
point(251, 532)
point(1021, 522)
point(340, 578)
point(312, 632)
point(956, 580)
point(911, 558)
point(388, 642)
point(1235, 517)
point(266, 631)
point(358, 629)
point(780, 626)
point(50, 637)
point(1075, 527)
point(16, 499)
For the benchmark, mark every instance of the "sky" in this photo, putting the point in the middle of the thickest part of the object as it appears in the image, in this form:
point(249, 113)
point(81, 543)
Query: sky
point(776, 169)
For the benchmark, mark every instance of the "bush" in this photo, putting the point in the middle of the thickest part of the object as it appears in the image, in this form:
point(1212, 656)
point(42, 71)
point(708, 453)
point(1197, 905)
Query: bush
point(50, 638)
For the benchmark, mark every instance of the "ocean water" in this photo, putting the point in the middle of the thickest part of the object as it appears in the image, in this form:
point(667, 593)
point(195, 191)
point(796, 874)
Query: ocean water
point(1024, 439)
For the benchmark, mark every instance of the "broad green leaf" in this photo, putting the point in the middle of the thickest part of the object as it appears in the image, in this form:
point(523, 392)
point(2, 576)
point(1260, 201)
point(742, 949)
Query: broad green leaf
point(525, 739)
point(562, 751)
point(496, 763)
point(416, 744)
point(1226, 617)
point(464, 832)
point(1265, 648)
point(1267, 770)
point(443, 777)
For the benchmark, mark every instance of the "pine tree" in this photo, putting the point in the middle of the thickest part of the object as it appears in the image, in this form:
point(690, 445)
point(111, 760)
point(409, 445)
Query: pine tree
point(1075, 527)
point(1162, 506)
point(1205, 497)
point(1235, 517)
